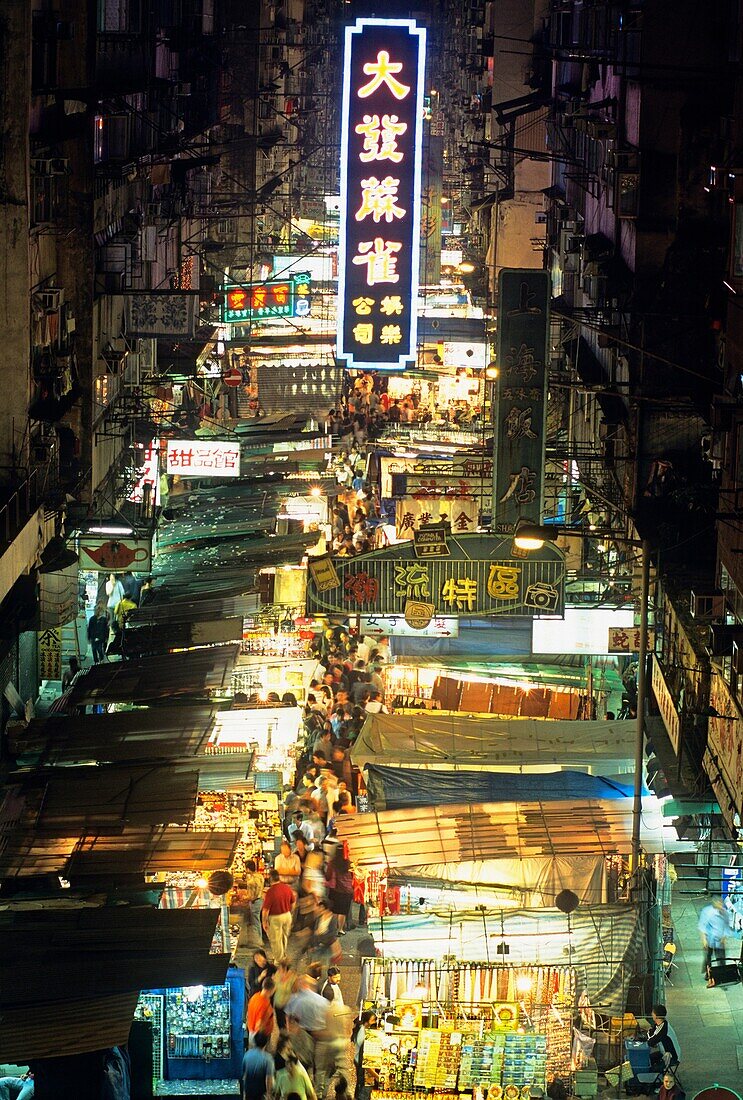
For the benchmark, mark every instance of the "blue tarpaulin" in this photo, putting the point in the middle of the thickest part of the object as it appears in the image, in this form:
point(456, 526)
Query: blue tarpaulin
point(397, 788)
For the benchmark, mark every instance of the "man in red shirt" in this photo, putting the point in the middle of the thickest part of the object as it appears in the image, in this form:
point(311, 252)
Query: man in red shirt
point(276, 915)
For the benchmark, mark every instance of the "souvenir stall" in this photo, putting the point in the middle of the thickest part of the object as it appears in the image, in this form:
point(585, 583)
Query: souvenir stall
point(271, 732)
point(450, 1026)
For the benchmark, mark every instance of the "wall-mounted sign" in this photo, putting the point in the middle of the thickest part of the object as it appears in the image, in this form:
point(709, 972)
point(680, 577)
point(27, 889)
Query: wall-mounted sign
point(431, 541)
point(203, 458)
point(395, 626)
point(251, 303)
point(380, 217)
point(723, 757)
point(581, 630)
point(147, 485)
point(323, 573)
point(666, 704)
point(115, 554)
point(480, 577)
point(459, 468)
point(519, 436)
point(50, 654)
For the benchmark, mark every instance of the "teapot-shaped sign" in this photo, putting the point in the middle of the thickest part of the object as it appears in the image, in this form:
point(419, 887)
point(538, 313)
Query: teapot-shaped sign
point(115, 555)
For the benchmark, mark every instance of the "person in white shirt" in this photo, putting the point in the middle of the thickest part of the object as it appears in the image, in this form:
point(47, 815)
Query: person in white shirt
point(375, 704)
point(331, 989)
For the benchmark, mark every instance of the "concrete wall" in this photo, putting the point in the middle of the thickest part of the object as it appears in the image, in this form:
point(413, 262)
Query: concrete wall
point(15, 34)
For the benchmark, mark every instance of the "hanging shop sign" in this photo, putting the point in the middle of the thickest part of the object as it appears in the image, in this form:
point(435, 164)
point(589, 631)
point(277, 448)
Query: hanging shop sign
point(147, 483)
point(723, 757)
point(411, 515)
point(203, 458)
point(627, 639)
point(50, 654)
point(465, 468)
point(161, 313)
point(519, 436)
point(252, 303)
point(380, 216)
point(323, 573)
point(581, 630)
point(480, 577)
point(420, 487)
point(396, 626)
point(666, 704)
point(105, 555)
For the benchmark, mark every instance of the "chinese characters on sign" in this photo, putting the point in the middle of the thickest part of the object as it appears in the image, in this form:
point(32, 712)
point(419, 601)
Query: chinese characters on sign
point(523, 331)
point(251, 303)
point(380, 193)
point(478, 577)
point(461, 516)
point(627, 639)
point(203, 458)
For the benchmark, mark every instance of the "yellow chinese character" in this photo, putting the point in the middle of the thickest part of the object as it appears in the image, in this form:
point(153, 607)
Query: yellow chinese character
point(411, 581)
point(363, 334)
point(378, 199)
point(391, 304)
point(381, 263)
point(503, 582)
point(381, 72)
point(380, 139)
point(391, 334)
point(462, 592)
point(363, 306)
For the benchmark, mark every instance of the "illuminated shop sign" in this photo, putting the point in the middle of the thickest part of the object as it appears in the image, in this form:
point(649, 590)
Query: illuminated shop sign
point(203, 458)
point(251, 303)
point(478, 576)
point(381, 137)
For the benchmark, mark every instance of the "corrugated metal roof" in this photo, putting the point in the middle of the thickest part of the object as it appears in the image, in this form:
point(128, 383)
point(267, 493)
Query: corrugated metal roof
point(109, 950)
point(74, 1027)
point(196, 611)
point(142, 734)
point(150, 639)
point(191, 673)
point(131, 851)
point(60, 801)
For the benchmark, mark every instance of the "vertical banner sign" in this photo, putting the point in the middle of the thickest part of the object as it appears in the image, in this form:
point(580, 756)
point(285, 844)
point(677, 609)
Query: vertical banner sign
point(381, 140)
point(519, 436)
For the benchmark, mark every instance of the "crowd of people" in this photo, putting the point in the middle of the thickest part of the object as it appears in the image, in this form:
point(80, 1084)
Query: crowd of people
point(297, 1024)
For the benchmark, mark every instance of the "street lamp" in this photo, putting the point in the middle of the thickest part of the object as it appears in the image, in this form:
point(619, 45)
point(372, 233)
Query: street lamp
point(532, 536)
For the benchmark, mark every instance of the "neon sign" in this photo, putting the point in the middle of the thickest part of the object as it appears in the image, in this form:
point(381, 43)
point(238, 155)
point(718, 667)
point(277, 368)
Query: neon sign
point(380, 208)
point(251, 303)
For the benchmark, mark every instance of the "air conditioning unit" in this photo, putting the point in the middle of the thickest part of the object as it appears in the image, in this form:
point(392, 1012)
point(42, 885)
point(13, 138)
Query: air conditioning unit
point(595, 287)
point(59, 166)
point(183, 87)
point(737, 660)
point(707, 604)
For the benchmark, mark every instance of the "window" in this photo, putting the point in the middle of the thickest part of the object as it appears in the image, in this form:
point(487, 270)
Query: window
point(111, 138)
point(628, 194)
point(119, 16)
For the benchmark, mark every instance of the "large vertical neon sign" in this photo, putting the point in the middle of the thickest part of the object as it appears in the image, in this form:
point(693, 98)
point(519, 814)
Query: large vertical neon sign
point(381, 140)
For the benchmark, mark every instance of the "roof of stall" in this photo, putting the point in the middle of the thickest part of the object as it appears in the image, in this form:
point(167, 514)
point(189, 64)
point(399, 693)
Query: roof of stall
point(192, 673)
point(425, 739)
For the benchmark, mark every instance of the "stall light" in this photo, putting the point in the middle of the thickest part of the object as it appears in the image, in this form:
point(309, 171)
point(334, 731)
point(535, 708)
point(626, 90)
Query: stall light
point(315, 491)
point(524, 983)
point(202, 883)
point(466, 267)
point(110, 529)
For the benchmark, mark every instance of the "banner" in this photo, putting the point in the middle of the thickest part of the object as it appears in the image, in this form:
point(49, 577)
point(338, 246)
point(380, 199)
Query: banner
point(519, 436)
point(479, 577)
point(161, 313)
point(411, 514)
point(380, 211)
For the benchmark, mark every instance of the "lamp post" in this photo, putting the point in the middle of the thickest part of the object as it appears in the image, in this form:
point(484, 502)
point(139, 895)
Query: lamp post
point(532, 536)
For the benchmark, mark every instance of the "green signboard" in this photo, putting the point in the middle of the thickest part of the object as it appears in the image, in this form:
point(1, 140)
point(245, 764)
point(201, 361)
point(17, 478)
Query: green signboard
point(251, 303)
point(479, 577)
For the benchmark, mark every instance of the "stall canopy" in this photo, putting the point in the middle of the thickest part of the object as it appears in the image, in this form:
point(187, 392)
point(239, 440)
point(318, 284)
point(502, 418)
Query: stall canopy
point(395, 788)
point(173, 674)
point(601, 942)
point(85, 987)
point(496, 830)
point(536, 881)
point(141, 734)
point(428, 740)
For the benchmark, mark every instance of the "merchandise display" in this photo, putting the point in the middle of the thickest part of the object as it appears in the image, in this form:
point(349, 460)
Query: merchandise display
point(256, 817)
point(492, 1030)
point(150, 1009)
point(198, 1022)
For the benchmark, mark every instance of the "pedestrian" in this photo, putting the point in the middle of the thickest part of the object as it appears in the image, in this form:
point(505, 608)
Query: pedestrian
point(260, 1016)
point(308, 1008)
point(293, 1080)
point(339, 879)
point(285, 980)
point(259, 969)
point(670, 1089)
point(338, 1089)
point(363, 1023)
point(331, 988)
point(300, 827)
point(98, 633)
point(325, 934)
point(70, 673)
point(257, 1074)
point(375, 704)
point(288, 866)
point(276, 915)
point(665, 1050)
point(714, 927)
point(114, 595)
